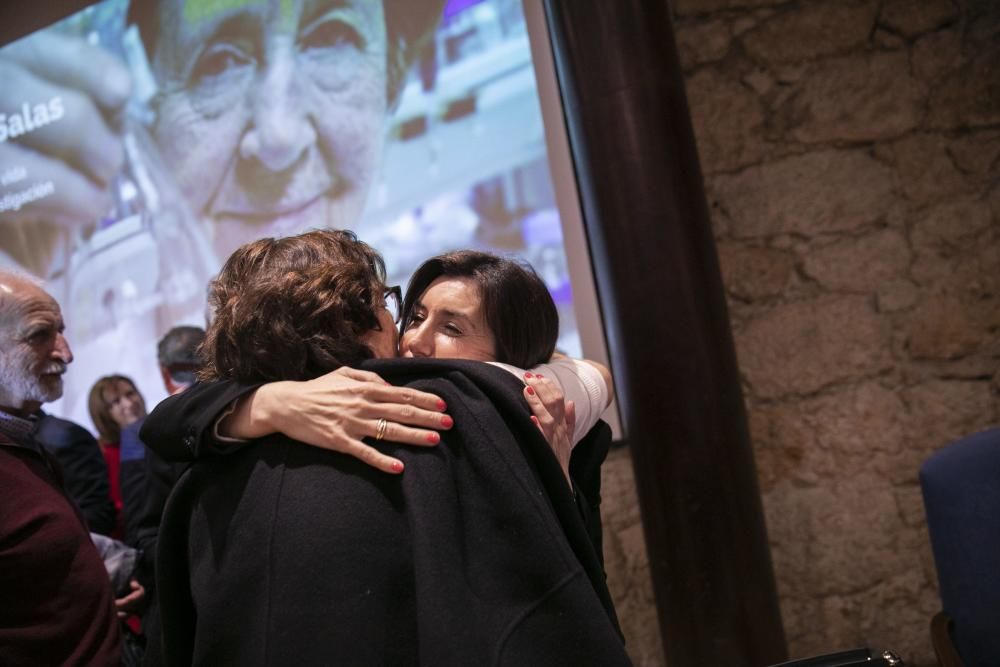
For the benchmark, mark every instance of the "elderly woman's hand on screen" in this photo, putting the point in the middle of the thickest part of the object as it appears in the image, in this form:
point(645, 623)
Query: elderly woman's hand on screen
point(59, 151)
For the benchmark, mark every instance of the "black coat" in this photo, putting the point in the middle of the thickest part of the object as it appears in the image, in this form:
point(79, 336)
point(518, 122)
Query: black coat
point(83, 468)
point(477, 554)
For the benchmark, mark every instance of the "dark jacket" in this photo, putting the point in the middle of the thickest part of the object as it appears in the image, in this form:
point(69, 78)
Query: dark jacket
point(182, 432)
point(477, 554)
point(133, 480)
point(84, 471)
point(146, 481)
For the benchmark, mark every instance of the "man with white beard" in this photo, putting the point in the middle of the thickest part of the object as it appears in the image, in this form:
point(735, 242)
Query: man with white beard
point(58, 604)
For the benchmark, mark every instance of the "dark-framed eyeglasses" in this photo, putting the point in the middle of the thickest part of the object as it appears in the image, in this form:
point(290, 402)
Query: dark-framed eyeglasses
point(394, 302)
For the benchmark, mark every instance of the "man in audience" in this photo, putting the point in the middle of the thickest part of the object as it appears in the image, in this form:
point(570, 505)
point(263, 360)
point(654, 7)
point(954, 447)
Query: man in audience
point(57, 601)
point(84, 471)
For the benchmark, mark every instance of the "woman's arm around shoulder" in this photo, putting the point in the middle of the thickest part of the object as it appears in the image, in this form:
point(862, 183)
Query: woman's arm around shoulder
point(181, 427)
point(586, 383)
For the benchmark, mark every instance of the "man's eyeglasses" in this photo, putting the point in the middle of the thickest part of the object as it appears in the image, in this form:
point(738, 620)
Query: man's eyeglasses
point(394, 302)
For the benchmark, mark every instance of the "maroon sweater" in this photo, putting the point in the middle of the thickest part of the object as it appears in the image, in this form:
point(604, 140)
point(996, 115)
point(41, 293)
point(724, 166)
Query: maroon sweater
point(56, 603)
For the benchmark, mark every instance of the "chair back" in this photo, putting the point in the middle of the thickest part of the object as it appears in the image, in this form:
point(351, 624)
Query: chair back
point(961, 487)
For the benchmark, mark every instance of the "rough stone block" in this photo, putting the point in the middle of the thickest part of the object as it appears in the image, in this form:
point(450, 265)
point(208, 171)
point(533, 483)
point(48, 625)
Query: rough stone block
point(910, 501)
point(977, 153)
point(982, 21)
point(811, 30)
point(864, 97)
point(895, 295)
point(800, 348)
point(965, 268)
point(925, 169)
point(936, 54)
point(774, 462)
point(846, 432)
point(911, 18)
point(727, 118)
point(859, 264)
point(836, 539)
point(751, 273)
point(760, 80)
point(620, 505)
point(888, 41)
point(821, 192)
point(951, 224)
point(970, 96)
point(944, 327)
point(940, 411)
point(702, 42)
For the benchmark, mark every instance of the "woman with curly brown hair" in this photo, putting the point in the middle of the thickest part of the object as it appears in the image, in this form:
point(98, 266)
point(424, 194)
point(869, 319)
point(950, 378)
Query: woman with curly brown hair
point(295, 308)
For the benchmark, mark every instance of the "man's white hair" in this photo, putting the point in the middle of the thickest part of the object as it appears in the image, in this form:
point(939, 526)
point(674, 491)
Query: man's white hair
point(10, 275)
point(9, 278)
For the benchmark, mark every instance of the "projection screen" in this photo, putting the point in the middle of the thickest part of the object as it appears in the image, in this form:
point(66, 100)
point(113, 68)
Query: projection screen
point(141, 142)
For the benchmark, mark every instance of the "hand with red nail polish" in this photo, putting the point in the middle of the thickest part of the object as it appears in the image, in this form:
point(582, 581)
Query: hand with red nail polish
point(340, 411)
point(554, 416)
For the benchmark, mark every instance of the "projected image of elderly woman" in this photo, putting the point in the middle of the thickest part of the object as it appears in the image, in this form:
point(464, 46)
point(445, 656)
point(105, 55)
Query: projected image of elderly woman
point(267, 117)
point(271, 114)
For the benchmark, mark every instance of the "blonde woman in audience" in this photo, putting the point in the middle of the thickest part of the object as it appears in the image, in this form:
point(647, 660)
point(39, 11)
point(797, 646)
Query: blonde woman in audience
point(114, 403)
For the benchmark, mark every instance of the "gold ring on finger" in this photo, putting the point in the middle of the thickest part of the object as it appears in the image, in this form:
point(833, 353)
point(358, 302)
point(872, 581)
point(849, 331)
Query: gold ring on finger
point(380, 428)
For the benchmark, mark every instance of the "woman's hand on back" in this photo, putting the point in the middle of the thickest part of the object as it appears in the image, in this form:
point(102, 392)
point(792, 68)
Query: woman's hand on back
point(554, 416)
point(337, 410)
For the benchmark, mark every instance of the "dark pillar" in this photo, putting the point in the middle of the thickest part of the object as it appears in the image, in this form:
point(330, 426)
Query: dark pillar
point(665, 314)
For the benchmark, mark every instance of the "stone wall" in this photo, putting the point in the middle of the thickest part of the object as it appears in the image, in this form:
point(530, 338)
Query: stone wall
point(851, 152)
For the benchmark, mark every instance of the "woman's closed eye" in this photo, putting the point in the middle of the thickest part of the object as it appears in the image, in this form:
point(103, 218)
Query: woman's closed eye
point(448, 328)
point(415, 319)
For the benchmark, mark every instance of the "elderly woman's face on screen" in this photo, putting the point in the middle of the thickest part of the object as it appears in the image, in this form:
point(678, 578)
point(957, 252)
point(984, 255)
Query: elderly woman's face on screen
point(272, 113)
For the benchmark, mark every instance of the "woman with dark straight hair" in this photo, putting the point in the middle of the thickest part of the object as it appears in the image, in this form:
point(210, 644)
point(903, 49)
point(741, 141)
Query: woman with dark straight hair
point(516, 307)
point(468, 304)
